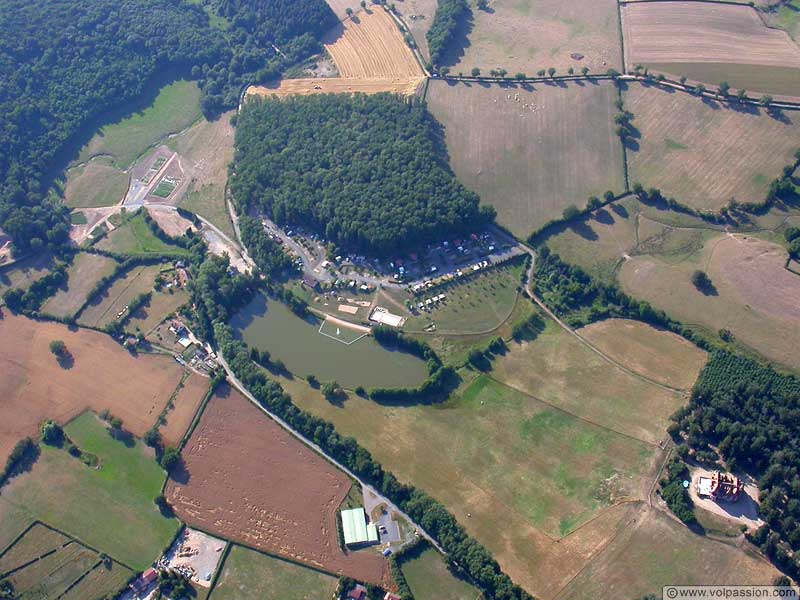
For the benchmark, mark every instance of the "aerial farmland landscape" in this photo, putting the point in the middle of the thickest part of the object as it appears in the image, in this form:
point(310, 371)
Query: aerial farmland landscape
point(425, 300)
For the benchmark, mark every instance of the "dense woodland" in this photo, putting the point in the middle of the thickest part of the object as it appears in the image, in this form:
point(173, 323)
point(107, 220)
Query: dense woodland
point(450, 14)
point(750, 414)
point(66, 62)
point(365, 171)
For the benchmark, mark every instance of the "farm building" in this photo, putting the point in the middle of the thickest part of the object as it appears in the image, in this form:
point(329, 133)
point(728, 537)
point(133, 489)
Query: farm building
point(720, 486)
point(355, 528)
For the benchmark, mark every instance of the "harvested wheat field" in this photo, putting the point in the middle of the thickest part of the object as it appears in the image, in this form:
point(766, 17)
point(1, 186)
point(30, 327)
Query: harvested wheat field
point(660, 355)
point(531, 151)
point(754, 296)
point(336, 85)
point(704, 153)
point(282, 500)
point(100, 375)
point(370, 46)
point(529, 35)
point(711, 43)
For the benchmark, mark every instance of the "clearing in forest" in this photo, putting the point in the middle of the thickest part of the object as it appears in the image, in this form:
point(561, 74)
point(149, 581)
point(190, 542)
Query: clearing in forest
point(371, 56)
point(660, 355)
point(704, 153)
point(109, 507)
point(529, 35)
point(97, 183)
point(34, 386)
point(753, 295)
point(531, 151)
point(284, 501)
point(711, 43)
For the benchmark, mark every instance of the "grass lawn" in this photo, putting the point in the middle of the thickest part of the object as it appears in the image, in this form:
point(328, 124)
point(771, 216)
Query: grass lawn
point(175, 108)
point(475, 306)
point(110, 508)
point(560, 370)
point(135, 237)
point(95, 184)
point(84, 272)
point(429, 579)
point(161, 305)
point(164, 188)
point(250, 574)
point(103, 308)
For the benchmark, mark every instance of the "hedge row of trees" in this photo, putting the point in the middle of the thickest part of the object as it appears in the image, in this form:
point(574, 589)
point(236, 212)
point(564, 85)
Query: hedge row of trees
point(39, 291)
point(450, 14)
point(367, 172)
point(65, 63)
point(432, 516)
point(750, 415)
point(674, 494)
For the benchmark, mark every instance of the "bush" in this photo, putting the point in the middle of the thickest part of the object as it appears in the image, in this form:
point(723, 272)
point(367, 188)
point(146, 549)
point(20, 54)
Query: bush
point(170, 459)
point(59, 348)
point(52, 434)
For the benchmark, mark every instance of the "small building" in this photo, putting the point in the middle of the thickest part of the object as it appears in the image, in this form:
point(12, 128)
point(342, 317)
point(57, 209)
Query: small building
point(141, 583)
point(359, 592)
point(391, 596)
point(355, 528)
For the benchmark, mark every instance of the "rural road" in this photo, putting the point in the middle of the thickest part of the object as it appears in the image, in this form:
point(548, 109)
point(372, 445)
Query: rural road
point(239, 386)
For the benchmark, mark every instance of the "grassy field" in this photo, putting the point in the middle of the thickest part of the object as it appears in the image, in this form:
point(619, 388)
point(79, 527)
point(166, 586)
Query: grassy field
point(704, 153)
point(250, 574)
point(477, 305)
point(529, 35)
point(559, 370)
point(84, 272)
point(711, 43)
point(97, 183)
point(531, 153)
point(175, 108)
point(24, 272)
point(162, 304)
point(207, 150)
point(110, 508)
point(660, 355)
point(103, 308)
point(787, 17)
point(135, 237)
point(429, 579)
point(654, 551)
point(491, 450)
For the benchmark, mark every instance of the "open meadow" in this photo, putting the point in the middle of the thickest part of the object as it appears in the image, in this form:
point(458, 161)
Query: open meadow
point(103, 308)
point(660, 355)
point(248, 573)
point(44, 563)
point(23, 273)
point(83, 274)
point(418, 17)
point(135, 237)
point(110, 508)
point(529, 35)
point(703, 152)
point(284, 502)
point(531, 153)
point(182, 408)
point(753, 295)
point(711, 43)
point(100, 375)
point(429, 579)
point(175, 108)
point(561, 482)
point(94, 184)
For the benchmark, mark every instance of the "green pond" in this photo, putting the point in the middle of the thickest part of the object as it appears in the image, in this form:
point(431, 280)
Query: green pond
point(270, 325)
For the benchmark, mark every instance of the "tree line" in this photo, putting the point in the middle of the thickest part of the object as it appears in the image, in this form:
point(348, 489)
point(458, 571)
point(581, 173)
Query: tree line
point(367, 172)
point(446, 21)
point(65, 63)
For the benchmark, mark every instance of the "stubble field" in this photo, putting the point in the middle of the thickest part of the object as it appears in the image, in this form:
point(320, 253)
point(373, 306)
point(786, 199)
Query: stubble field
point(530, 153)
point(711, 42)
point(247, 480)
point(528, 35)
point(101, 375)
point(703, 153)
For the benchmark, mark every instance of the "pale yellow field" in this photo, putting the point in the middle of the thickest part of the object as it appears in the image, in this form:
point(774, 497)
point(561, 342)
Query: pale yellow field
point(336, 85)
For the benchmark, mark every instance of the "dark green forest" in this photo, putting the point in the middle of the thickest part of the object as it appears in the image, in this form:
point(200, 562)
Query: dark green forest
point(365, 171)
point(64, 63)
point(449, 16)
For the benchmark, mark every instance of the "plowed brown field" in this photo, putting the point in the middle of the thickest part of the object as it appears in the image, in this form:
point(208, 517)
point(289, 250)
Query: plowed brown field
point(248, 480)
point(102, 375)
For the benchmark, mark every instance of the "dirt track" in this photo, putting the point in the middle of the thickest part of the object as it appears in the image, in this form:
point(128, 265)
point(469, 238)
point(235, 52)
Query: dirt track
point(102, 375)
point(696, 32)
point(283, 500)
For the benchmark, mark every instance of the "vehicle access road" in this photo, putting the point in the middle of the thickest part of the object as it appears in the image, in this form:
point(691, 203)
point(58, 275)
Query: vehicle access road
point(239, 386)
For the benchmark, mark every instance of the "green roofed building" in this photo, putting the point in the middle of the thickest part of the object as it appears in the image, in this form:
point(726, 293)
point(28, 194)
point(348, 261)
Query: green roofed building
point(355, 528)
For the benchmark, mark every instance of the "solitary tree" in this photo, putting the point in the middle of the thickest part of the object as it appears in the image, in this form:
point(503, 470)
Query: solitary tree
point(348, 11)
point(59, 348)
point(683, 80)
point(541, 72)
point(724, 88)
point(476, 72)
point(364, 4)
point(585, 71)
point(519, 76)
point(741, 95)
point(551, 71)
point(702, 281)
point(571, 71)
point(52, 433)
